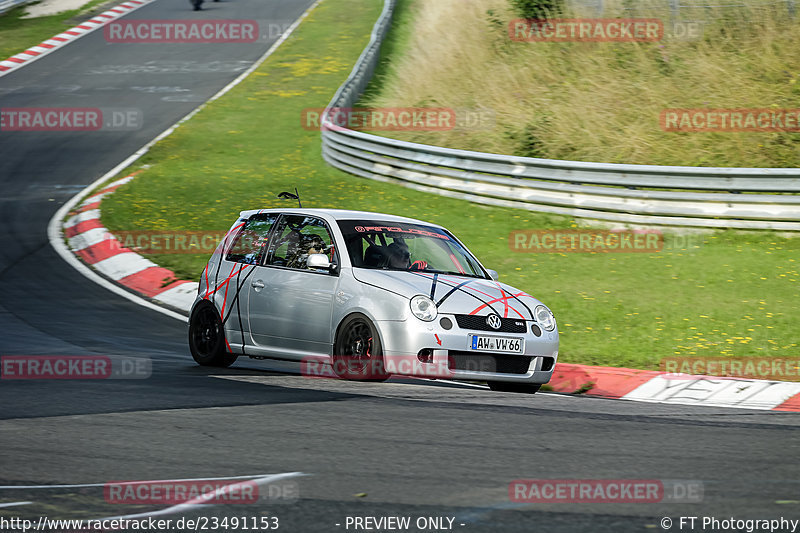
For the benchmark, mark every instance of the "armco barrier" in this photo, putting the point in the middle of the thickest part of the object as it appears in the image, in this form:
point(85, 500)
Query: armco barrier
point(743, 198)
point(5, 5)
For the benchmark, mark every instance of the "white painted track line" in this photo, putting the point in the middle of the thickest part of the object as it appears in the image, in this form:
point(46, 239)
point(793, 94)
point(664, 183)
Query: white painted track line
point(202, 501)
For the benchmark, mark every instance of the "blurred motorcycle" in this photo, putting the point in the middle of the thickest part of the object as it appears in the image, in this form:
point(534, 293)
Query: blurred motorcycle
point(198, 3)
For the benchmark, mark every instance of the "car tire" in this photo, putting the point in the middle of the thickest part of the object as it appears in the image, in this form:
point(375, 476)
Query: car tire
point(357, 352)
point(523, 388)
point(207, 338)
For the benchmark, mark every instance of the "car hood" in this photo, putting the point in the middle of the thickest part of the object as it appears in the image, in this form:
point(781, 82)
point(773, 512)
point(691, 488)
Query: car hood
point(454, 294)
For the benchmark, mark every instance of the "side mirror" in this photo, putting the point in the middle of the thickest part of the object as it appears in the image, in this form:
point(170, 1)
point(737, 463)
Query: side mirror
point(318, 261)
point(493, 274)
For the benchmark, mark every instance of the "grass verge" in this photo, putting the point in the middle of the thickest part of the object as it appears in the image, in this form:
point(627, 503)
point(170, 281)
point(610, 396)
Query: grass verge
point(721, 294)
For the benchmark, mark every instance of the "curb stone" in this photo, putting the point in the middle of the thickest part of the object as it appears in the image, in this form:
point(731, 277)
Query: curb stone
point(98, 248)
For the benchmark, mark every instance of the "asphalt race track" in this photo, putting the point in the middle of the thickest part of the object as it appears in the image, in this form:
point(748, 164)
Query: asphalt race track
point(404, 448)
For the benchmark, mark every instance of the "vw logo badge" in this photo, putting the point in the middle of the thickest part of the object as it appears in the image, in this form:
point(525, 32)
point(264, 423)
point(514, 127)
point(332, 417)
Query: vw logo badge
point(494, 321)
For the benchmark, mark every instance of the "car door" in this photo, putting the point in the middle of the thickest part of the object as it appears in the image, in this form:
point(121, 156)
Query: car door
point(290, 306)
point(232, 283)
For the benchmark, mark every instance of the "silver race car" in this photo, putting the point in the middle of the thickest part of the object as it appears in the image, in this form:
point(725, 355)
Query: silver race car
point(363, 296)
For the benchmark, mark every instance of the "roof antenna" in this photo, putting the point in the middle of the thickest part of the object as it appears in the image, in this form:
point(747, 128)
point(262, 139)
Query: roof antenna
point(290, 196)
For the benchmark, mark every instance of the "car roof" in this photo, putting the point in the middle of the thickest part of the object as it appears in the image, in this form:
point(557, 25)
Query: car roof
point(340, 214)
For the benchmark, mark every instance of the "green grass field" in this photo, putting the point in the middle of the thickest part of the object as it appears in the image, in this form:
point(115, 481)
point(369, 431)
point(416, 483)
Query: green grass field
point(722, 294)
point(18, 34)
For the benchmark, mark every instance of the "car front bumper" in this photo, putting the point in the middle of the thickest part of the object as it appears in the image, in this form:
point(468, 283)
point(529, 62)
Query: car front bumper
point(451, 356)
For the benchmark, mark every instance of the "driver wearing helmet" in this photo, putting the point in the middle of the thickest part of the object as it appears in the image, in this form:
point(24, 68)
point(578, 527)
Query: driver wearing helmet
point(314, 244)
point(309, 244)
point(399, 256)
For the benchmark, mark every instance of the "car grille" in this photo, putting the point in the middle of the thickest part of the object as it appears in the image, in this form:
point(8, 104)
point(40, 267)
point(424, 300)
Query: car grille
point(475, 322)
point(493, 363)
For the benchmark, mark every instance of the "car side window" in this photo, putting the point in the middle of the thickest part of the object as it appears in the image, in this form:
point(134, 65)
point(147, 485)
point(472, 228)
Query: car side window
point(251, 241)
point(297, 237)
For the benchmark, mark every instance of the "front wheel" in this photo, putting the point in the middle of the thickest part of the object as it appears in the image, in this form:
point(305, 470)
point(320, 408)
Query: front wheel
point(197, 4)
point(357, 354)
point(207, 338)
point(524, 388)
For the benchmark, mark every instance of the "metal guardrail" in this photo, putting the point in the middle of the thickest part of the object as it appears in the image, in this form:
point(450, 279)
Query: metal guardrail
point(743, 198)
point(5, 5)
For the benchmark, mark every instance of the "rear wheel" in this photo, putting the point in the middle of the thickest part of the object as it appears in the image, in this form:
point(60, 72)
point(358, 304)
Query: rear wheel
point(357, 354)
point(207, 338)
point(524, 388)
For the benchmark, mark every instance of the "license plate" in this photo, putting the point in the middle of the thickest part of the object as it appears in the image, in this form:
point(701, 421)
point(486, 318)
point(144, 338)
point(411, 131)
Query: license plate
point(484, 343)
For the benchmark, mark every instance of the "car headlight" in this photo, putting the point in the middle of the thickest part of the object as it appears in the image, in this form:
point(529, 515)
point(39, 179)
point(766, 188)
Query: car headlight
point(424, 308)
point(545, 318)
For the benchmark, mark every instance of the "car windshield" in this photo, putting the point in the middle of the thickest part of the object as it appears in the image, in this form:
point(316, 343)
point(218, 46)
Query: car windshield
point(407, 247)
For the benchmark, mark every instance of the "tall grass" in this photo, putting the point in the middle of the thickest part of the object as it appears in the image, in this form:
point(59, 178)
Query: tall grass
point(600, 101)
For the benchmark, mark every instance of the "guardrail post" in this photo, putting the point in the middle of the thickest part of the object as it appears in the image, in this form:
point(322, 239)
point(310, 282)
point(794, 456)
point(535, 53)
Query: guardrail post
point(674, 9)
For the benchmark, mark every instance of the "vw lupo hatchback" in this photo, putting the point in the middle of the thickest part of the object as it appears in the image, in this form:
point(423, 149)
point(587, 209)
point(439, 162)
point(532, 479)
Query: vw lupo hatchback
point(366, 295)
